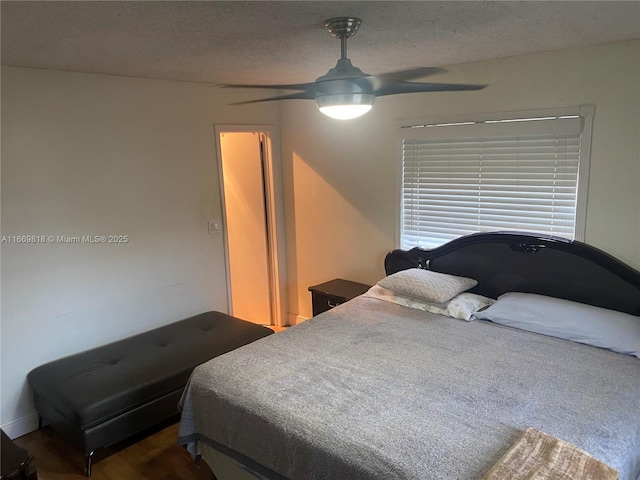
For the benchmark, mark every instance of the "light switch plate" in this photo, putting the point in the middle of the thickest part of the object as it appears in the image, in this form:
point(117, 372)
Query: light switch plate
point(213, 226)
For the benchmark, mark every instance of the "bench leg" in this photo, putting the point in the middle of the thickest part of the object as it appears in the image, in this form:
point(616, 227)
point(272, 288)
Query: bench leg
point(39, 422)
point(89, 458)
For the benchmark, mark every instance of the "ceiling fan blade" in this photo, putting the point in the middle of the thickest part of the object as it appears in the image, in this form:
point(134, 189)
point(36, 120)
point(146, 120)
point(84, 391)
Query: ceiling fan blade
point(292, 96)
point(386, 79)
point(292, 86)
point(411, 87)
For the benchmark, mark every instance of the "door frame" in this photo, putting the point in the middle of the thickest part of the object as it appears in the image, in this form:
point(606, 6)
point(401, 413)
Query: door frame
point(274, 193)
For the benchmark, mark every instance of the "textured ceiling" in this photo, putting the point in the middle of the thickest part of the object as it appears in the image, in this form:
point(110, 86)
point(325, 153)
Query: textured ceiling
point(285, 42)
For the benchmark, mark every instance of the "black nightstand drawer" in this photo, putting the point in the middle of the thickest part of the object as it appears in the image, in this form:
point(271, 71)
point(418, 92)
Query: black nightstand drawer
point(322, 303)
point(331, 294)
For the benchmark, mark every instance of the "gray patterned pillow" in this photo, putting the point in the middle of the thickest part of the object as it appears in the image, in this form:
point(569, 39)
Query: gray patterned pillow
point(426, 285)
point(462, 306)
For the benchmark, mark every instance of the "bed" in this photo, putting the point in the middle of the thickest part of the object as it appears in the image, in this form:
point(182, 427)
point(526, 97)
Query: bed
point(380, 389)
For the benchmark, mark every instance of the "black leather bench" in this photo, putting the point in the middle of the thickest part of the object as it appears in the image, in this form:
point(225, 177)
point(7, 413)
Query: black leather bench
point(102, 396)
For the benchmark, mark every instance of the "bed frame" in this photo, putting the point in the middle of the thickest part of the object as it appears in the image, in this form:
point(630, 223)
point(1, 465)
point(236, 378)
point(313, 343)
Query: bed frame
point(524, 262)
point(501, 262)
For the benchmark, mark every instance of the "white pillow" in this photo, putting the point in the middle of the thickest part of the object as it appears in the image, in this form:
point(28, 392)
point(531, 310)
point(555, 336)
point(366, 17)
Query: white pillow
point(573, 321)
point(462, 306)
point(426, 285)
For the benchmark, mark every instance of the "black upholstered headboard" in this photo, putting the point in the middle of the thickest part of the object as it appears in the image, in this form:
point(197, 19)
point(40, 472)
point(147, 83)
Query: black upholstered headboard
point(521, 262)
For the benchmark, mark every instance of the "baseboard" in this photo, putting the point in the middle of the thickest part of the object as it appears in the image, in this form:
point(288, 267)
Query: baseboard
point(21, 426)
point(295, 319)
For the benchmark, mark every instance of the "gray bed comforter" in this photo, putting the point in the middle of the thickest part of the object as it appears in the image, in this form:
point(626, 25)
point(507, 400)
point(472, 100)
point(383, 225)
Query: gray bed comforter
point(373, 390)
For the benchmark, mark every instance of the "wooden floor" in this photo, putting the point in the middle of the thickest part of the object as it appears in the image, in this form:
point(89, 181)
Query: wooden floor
point(155, 457)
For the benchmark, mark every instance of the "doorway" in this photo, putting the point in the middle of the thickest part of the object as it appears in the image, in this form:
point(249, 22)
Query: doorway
point(251, 190)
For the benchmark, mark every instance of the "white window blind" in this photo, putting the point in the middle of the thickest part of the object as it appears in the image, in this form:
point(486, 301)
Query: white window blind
point(491, 175)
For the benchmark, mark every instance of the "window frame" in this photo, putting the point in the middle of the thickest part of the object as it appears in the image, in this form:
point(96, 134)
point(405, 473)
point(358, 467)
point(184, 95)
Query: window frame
point(585, 111)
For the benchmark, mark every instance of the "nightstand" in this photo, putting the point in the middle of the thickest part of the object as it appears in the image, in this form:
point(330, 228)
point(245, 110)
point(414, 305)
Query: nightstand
point(331, 294)
point(16, 464)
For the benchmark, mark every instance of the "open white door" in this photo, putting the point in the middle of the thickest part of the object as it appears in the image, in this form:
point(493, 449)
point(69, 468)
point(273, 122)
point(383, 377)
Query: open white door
point(254, 231)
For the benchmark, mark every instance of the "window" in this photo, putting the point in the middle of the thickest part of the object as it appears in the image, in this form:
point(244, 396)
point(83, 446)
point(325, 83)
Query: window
point(524, 171)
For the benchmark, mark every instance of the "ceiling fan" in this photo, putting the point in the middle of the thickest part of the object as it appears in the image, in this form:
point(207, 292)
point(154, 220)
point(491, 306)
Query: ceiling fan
point(345, 91)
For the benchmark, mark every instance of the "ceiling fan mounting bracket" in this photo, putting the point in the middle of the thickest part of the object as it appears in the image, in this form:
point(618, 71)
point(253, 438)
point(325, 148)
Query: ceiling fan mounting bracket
point(343, 27)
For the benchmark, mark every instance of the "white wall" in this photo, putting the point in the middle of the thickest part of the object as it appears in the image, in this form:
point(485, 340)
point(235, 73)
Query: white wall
point(340, 177)
point(99, 155)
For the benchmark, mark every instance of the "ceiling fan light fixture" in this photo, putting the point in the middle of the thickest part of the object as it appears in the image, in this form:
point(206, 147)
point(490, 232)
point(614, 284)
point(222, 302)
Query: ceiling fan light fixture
point(345, 106)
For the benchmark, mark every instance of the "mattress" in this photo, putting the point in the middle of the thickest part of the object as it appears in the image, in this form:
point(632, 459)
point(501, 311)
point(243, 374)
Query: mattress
point(373, 390)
